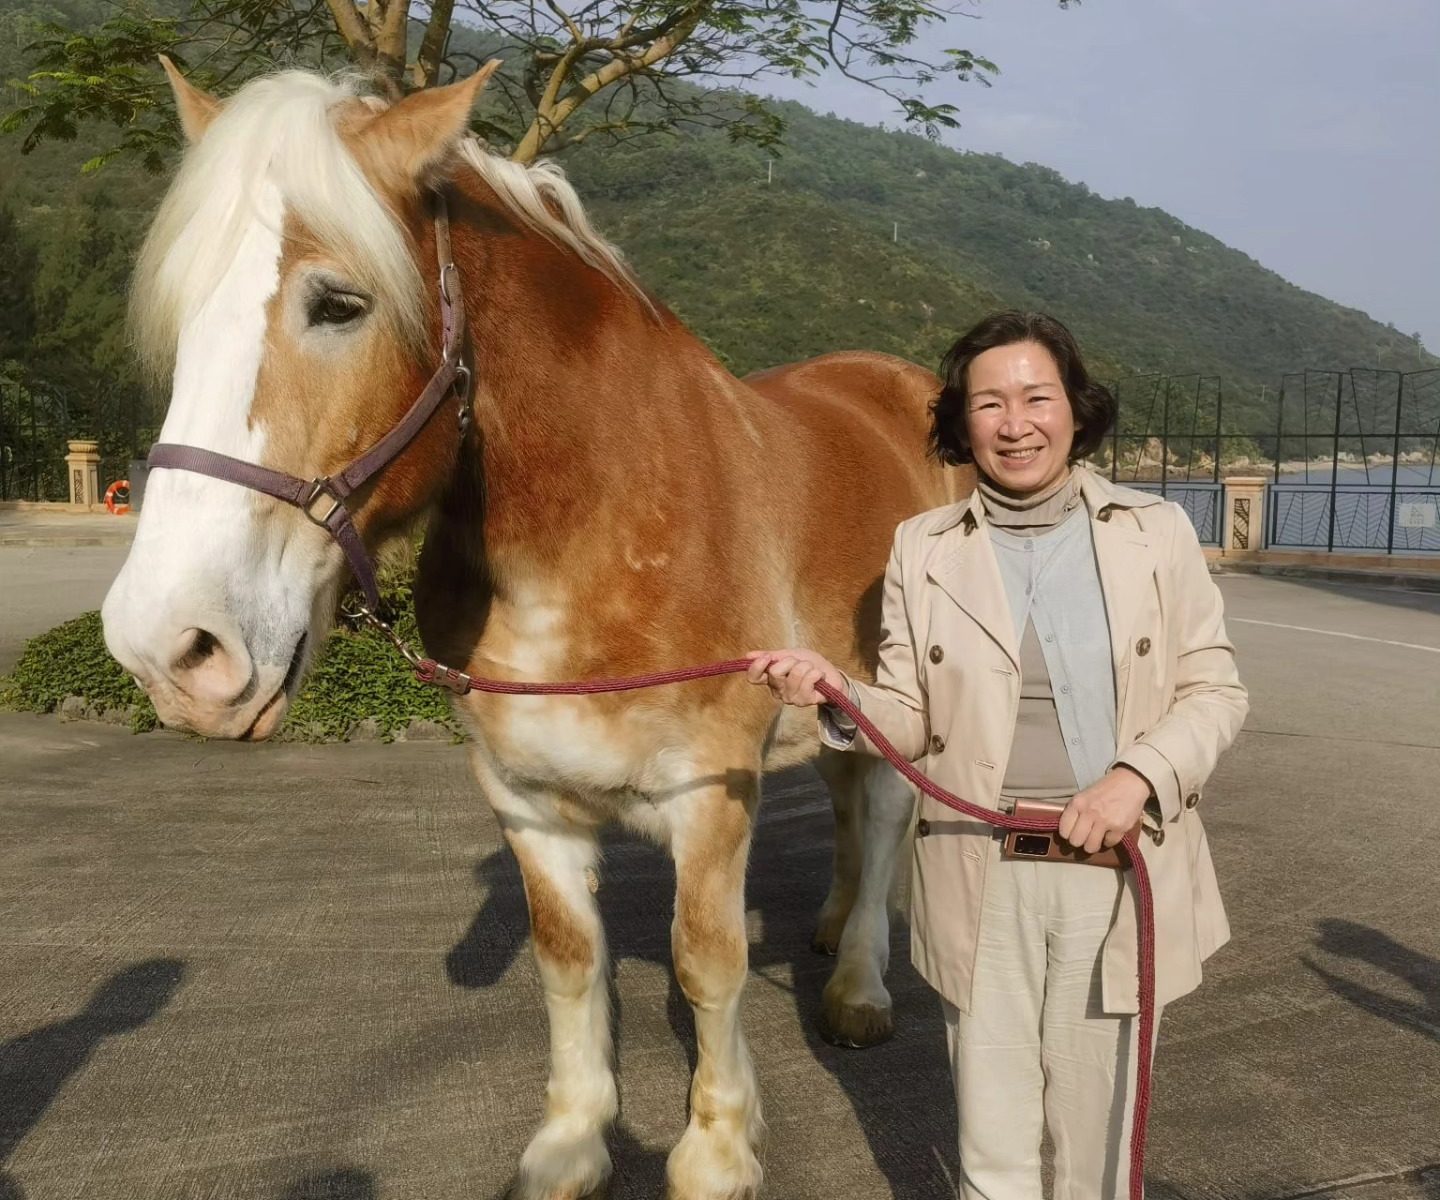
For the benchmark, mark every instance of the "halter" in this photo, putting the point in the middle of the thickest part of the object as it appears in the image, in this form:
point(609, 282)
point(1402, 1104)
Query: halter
point(451, 378)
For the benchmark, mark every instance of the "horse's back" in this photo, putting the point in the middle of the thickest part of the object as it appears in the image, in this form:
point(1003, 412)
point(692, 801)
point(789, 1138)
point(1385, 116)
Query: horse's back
point(871, 396)
point(873, 383)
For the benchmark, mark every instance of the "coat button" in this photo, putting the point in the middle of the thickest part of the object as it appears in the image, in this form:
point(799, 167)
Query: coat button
point(1142, 647)
point(936, 654)
point(937, 744)
point(922, 828)
point(1159, 837)
point(1192, 799)
point(1103, 515)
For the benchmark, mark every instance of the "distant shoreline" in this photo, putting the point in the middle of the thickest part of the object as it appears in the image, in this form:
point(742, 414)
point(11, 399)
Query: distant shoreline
point(1148, 469)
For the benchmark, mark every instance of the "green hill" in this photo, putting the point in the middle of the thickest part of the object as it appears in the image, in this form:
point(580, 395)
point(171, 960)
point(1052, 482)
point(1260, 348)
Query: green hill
point(1143, 291)
point(765, 272)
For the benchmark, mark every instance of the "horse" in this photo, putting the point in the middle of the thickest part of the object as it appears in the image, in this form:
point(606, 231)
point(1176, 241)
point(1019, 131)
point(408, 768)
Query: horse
point(607, 500)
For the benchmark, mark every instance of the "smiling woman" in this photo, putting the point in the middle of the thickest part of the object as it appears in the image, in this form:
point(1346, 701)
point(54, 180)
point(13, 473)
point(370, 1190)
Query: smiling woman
point(1016, 660)
point(1022, 415)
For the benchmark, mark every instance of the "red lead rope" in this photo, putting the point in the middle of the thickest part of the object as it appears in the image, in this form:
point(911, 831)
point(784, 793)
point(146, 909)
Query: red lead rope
point(429, 671)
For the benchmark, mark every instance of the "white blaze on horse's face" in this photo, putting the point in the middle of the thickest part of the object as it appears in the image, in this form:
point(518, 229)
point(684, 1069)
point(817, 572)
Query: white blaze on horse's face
point(284, 296)
point(202, 612)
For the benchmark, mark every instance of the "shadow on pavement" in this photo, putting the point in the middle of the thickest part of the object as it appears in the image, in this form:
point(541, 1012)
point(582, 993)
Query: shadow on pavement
point(345, 1184)
point(1361, 943)
point(35, 1066)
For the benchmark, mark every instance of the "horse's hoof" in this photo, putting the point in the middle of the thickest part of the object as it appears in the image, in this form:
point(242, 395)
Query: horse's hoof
point(857, 1026)
point(524, 1189)
point(562, 1164)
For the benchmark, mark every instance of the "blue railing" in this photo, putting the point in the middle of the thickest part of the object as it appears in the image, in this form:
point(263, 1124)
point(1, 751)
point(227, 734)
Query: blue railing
point(1201, 501)
point(1375, 517)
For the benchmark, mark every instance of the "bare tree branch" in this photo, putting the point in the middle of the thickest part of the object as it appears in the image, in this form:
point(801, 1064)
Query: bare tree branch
point(353, 29)
point(432, 46)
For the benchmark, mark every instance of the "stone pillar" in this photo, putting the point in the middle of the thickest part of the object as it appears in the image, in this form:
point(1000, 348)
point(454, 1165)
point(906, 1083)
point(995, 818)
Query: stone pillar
point(82, 464)
point(1244, 525)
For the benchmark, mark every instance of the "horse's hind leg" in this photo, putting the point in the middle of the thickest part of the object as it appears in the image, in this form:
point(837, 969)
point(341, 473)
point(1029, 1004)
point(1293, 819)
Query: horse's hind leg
point(873, 806)
point(566, 1159)
point(841, 773)
point(710, 840)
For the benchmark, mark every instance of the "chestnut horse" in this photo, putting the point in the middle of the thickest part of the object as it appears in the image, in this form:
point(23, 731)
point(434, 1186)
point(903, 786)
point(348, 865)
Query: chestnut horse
point(620, 504)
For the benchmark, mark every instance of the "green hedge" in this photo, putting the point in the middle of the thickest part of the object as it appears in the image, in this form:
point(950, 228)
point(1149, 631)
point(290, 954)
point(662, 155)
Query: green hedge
point(358, 676)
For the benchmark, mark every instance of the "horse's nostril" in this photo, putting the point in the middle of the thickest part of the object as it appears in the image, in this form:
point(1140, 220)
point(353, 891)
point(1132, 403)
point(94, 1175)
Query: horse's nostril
point(202, 647)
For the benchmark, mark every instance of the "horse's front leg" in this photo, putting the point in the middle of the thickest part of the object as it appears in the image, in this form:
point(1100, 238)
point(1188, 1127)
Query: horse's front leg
point(566, 1159)
point(710, 840)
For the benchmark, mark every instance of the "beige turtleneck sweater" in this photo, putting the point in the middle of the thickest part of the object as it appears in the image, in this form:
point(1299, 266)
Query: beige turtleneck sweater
point(1039, 766)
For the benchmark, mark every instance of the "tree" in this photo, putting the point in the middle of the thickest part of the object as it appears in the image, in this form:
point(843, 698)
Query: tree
point(79, 287)
point(574, 69)
point(17, 309)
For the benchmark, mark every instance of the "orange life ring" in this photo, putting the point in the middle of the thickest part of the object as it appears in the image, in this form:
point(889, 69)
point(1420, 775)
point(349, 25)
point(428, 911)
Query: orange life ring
point(123, 507)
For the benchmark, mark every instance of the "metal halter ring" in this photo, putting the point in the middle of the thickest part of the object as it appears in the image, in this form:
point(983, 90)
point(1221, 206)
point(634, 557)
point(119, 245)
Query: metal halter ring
point(321, 487)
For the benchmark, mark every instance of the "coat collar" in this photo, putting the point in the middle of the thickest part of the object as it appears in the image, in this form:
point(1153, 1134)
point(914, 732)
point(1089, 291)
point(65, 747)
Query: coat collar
point(1099, 494)
point(967, 570)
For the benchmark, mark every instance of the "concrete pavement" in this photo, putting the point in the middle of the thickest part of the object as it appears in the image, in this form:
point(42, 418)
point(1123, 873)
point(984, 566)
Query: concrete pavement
point(46, 526)
point(44, 585)
point(290, 972)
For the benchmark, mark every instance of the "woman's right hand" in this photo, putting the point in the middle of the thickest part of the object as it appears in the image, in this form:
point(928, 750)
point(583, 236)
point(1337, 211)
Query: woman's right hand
point(792, 675)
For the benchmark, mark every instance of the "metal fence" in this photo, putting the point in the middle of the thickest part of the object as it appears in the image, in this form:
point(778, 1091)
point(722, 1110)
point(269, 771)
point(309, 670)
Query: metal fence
point(1168, 438)
point(1354, 517)
point(36, 422)
point(1352, 456)
point(1355, 462)
point(33, 425)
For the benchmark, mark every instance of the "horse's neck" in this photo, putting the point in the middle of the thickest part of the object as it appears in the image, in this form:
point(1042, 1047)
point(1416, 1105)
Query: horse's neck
point(576, 404)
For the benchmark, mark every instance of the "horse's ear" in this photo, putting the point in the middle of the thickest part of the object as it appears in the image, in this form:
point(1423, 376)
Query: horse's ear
point(417, 134)
point(196, 108)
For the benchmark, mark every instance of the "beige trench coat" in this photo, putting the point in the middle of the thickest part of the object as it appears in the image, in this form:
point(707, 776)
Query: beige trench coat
point(947, 694)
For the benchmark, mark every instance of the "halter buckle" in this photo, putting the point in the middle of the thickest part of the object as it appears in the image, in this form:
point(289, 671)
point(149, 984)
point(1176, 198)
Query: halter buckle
point(461, 387)
point(445, 282)
point(322, 487)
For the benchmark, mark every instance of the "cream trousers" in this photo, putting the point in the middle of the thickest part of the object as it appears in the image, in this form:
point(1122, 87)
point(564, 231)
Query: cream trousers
point(1035, 1051)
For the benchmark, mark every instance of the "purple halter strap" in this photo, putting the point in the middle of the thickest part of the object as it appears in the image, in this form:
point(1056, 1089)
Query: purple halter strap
point(452, 377)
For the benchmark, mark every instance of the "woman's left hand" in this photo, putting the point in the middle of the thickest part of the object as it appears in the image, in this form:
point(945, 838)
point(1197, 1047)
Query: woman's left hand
point(1106, 811)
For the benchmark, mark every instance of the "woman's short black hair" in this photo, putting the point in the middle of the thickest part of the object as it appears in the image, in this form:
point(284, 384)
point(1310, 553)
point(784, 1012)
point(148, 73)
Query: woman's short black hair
point(1092, 403)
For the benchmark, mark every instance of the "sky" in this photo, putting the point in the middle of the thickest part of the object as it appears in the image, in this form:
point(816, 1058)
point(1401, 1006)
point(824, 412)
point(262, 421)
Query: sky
point(1303, 132)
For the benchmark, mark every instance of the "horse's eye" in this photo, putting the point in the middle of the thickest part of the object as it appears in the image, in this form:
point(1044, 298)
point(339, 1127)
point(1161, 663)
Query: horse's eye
point(336, 308)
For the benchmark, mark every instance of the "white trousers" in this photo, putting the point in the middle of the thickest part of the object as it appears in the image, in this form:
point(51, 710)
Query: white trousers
point(1036, 1051)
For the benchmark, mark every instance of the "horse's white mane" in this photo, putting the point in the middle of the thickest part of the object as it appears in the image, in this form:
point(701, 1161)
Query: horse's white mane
point(281, 128)
point(540, 195)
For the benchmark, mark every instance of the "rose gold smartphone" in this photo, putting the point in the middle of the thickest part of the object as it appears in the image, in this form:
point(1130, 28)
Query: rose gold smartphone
point(1050, 847)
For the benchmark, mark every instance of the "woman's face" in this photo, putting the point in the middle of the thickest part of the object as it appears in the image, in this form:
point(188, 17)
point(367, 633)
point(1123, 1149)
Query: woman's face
point(1020, 421)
